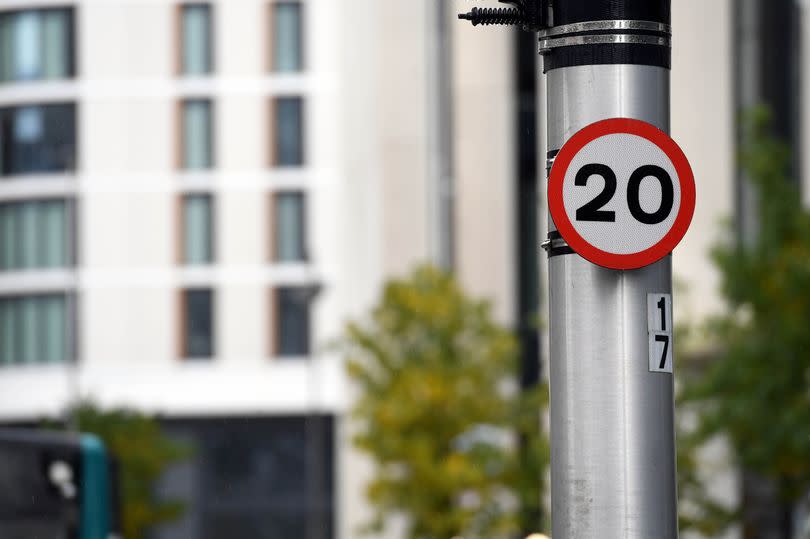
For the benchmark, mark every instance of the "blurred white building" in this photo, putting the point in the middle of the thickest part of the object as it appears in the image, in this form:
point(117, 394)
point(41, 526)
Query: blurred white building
point(195, 197)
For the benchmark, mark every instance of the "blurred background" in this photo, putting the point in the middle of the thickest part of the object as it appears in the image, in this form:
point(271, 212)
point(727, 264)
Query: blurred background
point(195, 199)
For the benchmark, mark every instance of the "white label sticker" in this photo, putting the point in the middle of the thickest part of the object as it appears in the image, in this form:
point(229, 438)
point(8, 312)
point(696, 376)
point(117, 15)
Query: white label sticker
point(659, 312)
point(659, 327)
point(660, 352)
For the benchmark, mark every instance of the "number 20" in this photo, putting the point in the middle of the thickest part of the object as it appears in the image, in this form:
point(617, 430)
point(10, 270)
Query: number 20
point(592, 211)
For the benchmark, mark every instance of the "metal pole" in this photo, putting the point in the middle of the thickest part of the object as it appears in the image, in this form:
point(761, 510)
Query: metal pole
point(440, 141)
point(612, 421)
point(526, 240)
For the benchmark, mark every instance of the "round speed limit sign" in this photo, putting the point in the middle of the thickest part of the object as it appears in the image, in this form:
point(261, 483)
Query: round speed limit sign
point(621, 193)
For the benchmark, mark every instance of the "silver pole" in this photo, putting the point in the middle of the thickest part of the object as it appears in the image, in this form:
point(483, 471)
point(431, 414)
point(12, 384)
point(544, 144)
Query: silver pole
point(440, 139)
point(612, 421)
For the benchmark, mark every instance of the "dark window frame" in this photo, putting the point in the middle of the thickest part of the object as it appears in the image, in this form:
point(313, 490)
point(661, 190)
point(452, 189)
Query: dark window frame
point(9, 153)
point(186, 352)
point(281, 348)
point(301, 159)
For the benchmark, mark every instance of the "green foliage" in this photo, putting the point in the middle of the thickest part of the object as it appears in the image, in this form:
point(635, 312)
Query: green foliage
point(755, 392)
point(438, 415)
point(143, 453)
point(698, 512)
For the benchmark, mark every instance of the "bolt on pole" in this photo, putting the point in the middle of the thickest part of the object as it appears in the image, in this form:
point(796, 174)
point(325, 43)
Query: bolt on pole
point(613, 469)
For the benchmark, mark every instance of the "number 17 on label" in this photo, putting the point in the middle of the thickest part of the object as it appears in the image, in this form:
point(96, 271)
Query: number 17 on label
point(659, 327)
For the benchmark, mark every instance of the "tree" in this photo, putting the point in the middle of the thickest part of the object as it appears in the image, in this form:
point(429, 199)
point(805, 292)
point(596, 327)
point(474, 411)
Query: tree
point(755, 391)
point(143, 453)
point(440, 414)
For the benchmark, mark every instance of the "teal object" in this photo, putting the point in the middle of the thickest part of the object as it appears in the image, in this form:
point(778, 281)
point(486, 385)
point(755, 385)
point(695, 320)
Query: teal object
point(95, 490)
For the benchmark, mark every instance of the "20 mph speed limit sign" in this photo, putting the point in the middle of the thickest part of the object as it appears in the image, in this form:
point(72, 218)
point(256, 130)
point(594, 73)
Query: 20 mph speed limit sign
point(621, 193)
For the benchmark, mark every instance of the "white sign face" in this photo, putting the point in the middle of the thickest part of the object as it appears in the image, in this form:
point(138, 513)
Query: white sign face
point(606, 207)
point(621, 193)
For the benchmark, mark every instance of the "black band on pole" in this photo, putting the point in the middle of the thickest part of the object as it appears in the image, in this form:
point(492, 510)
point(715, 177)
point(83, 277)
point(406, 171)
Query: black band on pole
point(652, 55)
point(571, 11)
point(568, 12)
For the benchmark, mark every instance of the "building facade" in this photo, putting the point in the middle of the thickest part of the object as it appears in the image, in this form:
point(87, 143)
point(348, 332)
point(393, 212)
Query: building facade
point(162, 164)
point(194, 199)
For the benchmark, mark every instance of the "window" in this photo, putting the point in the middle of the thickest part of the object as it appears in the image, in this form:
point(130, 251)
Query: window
point(198, 237)
point(36, 235)
point(197, 140)
point(292, 320)
point(37, 139)
point(289, 136)
point(35, 329)
point(287, 37)
point(196, 41)
point(289, 227)
point(36, 45)
point(198, 323)
point(265, 478)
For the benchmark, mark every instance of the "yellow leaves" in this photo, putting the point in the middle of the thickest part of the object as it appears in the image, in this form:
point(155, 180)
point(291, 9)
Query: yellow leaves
point(430, 365)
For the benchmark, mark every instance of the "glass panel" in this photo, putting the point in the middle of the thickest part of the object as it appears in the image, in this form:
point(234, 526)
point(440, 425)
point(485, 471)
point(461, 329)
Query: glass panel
point(252, 470)
point(38, 139)
point(36, 44)
point(199, 324)
point(7, 64)
point(54, 330)
point(290, 227)
point(58, 146)
point(33, 329)
point(196, 56)
point(27, 46)
point(197, 225)
point(29, 128)
point(9, 258)
point(287, 42)
point(56, 44)
point(29, 233)
point(28, 318)
point(8, 331)
point(54, 234)
point(289, 131)
point(35, 235)
point(28, 125)
point(293, 330)
point(197, 135)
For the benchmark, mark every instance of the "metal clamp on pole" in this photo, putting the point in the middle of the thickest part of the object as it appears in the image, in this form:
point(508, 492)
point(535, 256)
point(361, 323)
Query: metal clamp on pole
point(606, 32)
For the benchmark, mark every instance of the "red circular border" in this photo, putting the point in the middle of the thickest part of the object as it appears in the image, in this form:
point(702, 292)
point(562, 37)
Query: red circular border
point(685, 176)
